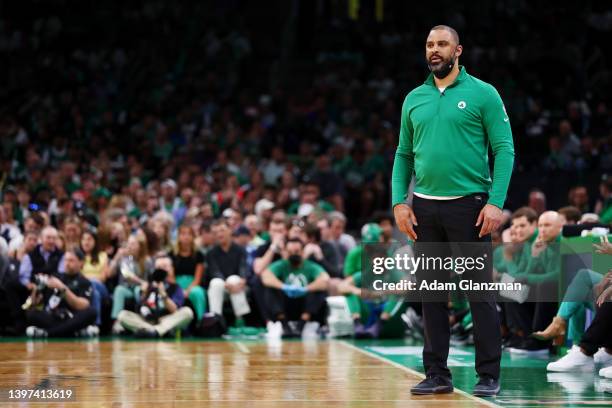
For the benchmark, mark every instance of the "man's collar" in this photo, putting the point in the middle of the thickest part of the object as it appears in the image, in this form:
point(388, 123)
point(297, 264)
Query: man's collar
point(44, 251)
point(462, 75)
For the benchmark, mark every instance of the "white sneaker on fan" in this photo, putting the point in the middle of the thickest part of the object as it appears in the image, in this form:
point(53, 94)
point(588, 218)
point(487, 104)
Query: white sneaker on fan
point(274, 330)
point(606, 372)
point(34, 332)
point(310, 330)
point(575, 360)
point(603, 358)
point(118, 327)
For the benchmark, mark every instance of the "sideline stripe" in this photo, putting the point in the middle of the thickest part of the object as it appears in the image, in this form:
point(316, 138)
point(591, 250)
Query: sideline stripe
point(241, 346)
point(414, 372)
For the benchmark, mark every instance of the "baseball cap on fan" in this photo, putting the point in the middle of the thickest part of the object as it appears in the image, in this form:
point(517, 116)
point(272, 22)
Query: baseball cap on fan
point(169, 183)
point(305, 210)
point(263, 205)
point(371, 232)
point(228, 213)
point(241, 230)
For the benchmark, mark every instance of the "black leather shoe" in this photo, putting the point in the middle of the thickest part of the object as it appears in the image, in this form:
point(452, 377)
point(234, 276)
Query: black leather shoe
point(486, 387)
point(435, 384)
point(146, 334)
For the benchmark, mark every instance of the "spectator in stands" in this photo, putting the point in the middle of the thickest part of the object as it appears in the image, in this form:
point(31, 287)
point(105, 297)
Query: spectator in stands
point(537, 201)
point(170, 202)
point(8, 231)
point(342, 241)
point(72, 231)
point(264, 255)
point(516, 257)
point(569, 215)
point(385, 222)
point(296, 290)
point(27, 245)
point(188, 266)
point(95, 268)
point(584, 289)
point(63, 306)
point(46, 258)
point(254, 225)
point(242, 237)
point(580, 358)
point(161, 225)
point(227, 273)
point(161, 310)
point(578, 197)
point(320, 251)
point(542, 273)
point(32, 224)
point(133, 265)
point(309, 199)
point(206, 239)
point(604, 206)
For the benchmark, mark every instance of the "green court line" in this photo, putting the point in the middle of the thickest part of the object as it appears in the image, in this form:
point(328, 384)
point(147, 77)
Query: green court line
point(417, 373)
point(524, 381)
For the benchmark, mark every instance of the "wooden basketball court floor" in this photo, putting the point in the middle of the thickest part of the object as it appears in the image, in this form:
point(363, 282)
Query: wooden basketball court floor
point(254, 374)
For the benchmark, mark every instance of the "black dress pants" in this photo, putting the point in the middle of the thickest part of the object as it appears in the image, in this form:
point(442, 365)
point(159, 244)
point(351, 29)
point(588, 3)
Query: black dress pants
point(599, 333)
point(444, 221)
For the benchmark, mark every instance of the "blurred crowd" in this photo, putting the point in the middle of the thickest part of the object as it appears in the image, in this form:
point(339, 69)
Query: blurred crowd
point(85, 119)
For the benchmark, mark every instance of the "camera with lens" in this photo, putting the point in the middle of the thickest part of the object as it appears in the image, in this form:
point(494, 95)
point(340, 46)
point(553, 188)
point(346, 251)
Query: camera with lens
point(159, 275)
point(40, 281)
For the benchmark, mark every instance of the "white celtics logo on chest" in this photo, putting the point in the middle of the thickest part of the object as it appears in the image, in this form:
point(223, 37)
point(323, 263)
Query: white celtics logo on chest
point(461, 105)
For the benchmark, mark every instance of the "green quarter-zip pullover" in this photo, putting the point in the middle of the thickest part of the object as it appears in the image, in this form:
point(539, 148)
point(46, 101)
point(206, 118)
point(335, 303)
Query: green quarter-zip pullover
point(445, 137)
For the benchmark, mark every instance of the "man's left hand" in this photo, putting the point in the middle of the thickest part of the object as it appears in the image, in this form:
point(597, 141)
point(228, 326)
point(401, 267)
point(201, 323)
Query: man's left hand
point(490, 218)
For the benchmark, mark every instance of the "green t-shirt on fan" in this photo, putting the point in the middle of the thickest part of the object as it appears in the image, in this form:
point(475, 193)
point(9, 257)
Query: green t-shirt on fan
point(301, 276)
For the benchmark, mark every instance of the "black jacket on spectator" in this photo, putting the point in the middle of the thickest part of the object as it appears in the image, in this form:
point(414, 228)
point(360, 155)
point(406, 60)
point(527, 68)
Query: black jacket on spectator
point(330, 260)
point(78, 284)
point(57, 317)
point(48, 267)
point(222, 264)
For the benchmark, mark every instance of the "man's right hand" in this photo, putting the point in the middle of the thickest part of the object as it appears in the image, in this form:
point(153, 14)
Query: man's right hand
point(405, 220)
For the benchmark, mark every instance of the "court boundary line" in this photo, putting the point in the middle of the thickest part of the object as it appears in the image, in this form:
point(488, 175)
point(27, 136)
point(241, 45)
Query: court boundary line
point(241, 347)
point(414, 372)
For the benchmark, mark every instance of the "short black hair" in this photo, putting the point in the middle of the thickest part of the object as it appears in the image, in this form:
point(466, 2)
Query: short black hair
point(219, 222)
point(381, 216)
point(313, 232)
point(449, 29)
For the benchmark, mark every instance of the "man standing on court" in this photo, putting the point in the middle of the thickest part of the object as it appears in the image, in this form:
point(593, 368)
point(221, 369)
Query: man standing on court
point(447, 126)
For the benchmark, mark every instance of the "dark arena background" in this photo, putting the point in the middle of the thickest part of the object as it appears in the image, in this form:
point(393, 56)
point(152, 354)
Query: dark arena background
point(160, 161)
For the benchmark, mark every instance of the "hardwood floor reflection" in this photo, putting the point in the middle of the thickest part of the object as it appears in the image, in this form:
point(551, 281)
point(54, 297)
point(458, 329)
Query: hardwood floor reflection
point(207, 373)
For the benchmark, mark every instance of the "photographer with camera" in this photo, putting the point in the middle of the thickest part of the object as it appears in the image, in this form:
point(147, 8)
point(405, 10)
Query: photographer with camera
point(161, 304)
point(61, 307)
